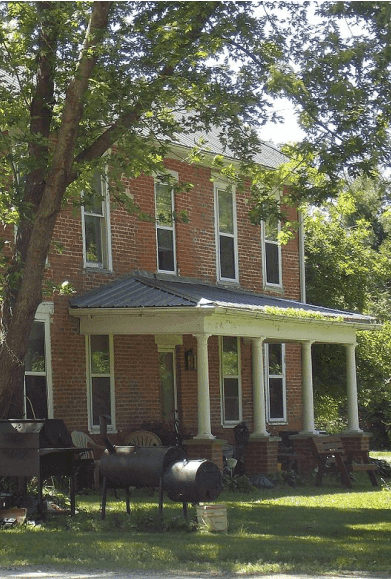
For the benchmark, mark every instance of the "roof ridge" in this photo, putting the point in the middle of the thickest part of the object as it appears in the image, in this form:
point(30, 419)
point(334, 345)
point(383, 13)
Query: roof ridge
point(165, 285)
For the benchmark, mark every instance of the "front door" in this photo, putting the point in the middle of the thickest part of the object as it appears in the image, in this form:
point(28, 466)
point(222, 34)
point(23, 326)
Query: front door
point(167, 384)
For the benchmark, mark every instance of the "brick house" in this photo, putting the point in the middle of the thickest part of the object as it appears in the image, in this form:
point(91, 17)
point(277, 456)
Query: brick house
point(206, 318)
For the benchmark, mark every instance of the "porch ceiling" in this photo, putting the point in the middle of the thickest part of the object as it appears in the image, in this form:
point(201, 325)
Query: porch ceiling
point(139, 304)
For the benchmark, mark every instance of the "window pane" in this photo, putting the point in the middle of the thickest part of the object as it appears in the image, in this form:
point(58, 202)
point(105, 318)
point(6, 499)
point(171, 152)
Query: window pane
point(226, 212)
point(35, 357)
point(165, 240)
point(36, 397)
point(272, 264)
point(271, 229)
point(275, 359)
point(93, 235)
point(276, 398)
point(164, 204)
point(101, 402)
point(231, 399)
point(227, 257)
point(166, 372)
point(100, 355)
point(93, 201)
point(230, 356)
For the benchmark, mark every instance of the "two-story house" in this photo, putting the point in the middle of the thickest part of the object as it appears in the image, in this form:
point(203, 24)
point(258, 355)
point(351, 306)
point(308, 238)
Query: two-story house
point(205, 317)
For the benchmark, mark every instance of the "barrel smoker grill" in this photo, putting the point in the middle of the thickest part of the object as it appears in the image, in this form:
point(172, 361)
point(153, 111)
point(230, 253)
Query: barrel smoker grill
point(165, 468)
point(38, 448)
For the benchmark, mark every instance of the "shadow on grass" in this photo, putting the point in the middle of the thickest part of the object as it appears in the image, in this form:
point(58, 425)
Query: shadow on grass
point(281, 530)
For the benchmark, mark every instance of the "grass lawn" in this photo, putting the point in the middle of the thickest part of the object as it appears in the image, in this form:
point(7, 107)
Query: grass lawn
point(284, 529)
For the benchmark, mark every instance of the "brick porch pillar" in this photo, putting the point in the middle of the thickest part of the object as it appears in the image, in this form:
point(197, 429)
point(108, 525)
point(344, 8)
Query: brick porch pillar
point(260, 456)
point(206, 448)
point(355, 442)
point(303, 447)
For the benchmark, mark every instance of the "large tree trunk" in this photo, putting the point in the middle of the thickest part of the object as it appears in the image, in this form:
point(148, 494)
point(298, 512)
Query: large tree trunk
point(44, 192)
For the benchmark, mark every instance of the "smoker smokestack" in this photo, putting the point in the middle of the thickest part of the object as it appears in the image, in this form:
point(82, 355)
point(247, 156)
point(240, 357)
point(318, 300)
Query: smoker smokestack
point(103, 432)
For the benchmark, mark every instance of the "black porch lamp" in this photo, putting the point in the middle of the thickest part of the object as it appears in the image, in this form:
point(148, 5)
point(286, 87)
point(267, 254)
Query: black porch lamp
point(190, 360)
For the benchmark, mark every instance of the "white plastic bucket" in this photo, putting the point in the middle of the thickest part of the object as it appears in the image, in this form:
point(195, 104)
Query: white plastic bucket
point(214, 517)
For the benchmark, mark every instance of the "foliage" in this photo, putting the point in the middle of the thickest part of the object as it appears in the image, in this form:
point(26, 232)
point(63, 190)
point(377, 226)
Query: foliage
point(338, 78)
point(328, 411)
point(348, 267)
point(237, 483)
point(79, 80)
point(343, 268)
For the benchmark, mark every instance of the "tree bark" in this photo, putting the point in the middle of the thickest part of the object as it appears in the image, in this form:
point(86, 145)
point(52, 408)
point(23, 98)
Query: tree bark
point(23, 290)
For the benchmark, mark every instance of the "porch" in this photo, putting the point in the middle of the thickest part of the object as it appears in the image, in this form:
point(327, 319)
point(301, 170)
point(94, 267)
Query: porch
point(170, 309)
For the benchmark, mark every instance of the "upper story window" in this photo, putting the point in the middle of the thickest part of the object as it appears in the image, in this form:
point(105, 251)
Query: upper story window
point(230, 380)
point(226, 234)
point(96, 225)
point(275, 382)
point(165, 227)
point(271, 253)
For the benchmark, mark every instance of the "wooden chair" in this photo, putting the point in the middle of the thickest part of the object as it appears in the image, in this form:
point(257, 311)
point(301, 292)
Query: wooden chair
point(142, 438)
point(331, 457)
point(329, 452)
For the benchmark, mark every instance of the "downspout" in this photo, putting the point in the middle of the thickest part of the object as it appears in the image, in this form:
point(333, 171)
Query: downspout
point(303, 296)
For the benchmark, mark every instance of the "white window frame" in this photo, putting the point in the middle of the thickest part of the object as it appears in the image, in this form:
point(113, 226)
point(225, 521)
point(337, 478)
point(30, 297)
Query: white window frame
point(230, 423)
point(44, 315)
point(161, 226)
point(268, 376)
point(171, 350)
point(104, 217)
point(95, 428)
point(220, 186)
point(264, 242)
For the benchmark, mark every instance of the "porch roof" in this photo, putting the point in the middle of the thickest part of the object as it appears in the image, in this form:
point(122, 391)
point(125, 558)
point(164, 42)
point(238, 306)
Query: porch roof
point(140, 291)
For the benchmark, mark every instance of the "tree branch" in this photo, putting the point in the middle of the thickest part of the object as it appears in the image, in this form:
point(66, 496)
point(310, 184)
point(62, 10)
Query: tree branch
point(125, 122)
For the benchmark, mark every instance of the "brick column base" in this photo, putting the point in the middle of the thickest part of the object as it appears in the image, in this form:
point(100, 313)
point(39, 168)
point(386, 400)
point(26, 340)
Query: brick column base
point(260, 456)
point(355, 442)
point(304, 449)
point(210, 449)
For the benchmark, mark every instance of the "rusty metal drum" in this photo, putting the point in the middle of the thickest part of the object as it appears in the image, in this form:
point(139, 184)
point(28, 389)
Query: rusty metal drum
point(193, 481)
point(138, 466)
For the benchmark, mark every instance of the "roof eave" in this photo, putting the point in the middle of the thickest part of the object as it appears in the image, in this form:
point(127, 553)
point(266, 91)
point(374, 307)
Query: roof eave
point(209, 309)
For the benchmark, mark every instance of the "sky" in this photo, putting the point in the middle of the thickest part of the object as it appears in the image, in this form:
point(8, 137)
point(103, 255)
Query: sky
point(285, 132)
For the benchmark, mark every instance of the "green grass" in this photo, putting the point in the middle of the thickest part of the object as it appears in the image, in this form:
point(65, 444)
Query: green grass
point(285, 529)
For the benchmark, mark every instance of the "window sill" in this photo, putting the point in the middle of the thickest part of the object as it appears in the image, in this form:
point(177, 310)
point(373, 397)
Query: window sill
point(278, 289)
point(228, 283)
point(93, 269)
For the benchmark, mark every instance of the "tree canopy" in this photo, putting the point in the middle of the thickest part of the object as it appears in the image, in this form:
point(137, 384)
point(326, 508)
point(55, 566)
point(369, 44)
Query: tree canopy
point(348, 266)
point(77, 78)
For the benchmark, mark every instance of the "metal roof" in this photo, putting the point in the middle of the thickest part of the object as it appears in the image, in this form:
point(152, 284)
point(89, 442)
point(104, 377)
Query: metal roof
point(268, 155)
point(137, 291)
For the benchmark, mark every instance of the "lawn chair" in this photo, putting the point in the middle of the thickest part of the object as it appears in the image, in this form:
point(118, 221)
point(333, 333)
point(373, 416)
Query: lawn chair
point(142, 438)
point(82, 440)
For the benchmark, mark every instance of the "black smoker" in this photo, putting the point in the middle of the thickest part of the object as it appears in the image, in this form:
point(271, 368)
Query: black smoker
point(162, 467)
point(41, 448)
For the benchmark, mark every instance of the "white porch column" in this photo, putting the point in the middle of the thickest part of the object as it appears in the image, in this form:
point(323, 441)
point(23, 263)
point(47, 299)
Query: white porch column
point(308, 390)
point(204, 425)
point(259, 391)
point(353, 422)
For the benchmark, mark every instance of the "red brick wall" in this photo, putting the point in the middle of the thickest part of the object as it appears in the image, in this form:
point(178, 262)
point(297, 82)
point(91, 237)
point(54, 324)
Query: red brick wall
point(134, 240)
point(134, 248)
